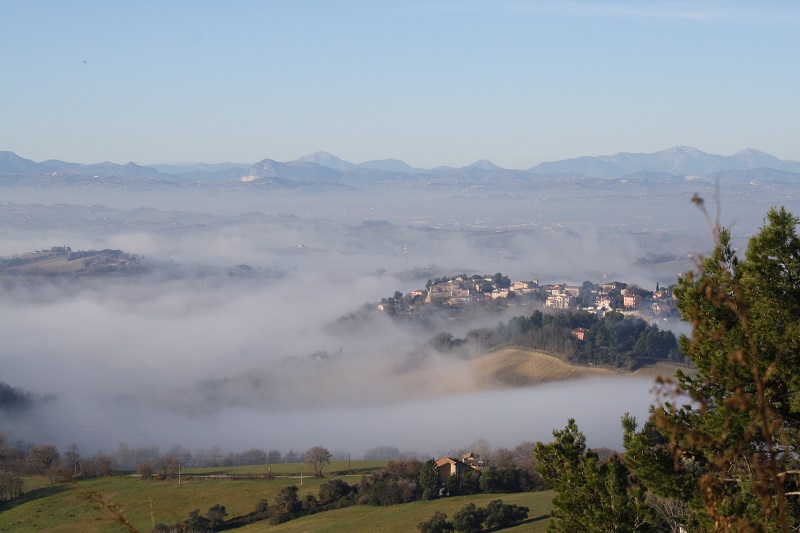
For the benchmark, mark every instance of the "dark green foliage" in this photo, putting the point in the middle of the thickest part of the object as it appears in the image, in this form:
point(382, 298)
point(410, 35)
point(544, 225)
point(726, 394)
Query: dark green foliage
point(429, 480)
point(261, 507)
point(470, 482)
point(506, 479)
point(437, 523)
point(383, 489)
point(590, 495)
point(216, 516)
point(732, 455)
point(469, 519)
point(502, 282)
point(452, 486)
point(397, 483)
point(648, 455)
point(287, 501)
point(623, 341)
point(334, 490)
point(196, 523)
point(281, 518)
point(261, 512)
point(310, 504)
point(613, 339)
point(164, 528)
point(500, 515)
point(497, 515)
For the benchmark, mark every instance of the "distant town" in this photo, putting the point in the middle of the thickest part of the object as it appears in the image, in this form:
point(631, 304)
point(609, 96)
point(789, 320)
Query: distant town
point(461, 291)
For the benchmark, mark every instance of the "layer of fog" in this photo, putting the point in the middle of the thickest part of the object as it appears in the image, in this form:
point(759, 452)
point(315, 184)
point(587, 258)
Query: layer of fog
point(192, 354)
point(429, 426)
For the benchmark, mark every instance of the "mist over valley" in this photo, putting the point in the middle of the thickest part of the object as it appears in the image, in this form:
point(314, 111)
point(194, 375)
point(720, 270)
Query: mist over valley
point(232, 329)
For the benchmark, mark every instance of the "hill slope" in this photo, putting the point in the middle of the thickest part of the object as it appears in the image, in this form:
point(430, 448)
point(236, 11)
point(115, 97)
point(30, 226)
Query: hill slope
point(516, 367)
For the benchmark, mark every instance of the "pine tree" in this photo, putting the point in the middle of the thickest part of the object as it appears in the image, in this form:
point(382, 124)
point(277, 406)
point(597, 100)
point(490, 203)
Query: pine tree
point(590, 495)
point(429, 480)
point(732, 454)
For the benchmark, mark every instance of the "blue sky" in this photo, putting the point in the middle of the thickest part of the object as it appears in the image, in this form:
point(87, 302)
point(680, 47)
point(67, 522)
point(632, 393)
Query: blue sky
point(430, 82)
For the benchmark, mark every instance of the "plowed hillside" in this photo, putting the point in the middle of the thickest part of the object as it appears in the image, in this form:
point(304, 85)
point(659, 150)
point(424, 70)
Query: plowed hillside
point(514, 367)
point(53, 265)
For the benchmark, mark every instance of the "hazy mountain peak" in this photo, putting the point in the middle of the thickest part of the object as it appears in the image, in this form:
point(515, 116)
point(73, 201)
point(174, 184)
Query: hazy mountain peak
point(296, 171)
point(391, 165)
point(326, 160)
point(684, 149)
point(12, 163)
point(485, 164)
point(325, 168)
point(264, 168)
point(749, 151)
point(677, 160)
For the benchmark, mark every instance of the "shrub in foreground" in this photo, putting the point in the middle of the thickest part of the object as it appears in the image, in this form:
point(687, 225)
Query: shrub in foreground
point(437, 523)
point(471, 519)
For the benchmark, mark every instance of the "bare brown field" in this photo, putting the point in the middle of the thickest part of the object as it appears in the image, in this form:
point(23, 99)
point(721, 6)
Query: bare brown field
point(54, 265)
point(501, 369)
point(516, 367)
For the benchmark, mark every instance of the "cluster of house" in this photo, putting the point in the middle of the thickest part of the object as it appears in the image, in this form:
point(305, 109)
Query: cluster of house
point(608, 296)
point(564, 296)
point(448, 467)
point(461, 291)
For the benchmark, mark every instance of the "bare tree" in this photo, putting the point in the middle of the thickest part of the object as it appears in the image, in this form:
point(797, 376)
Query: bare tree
point(672, 511)
point(145, 470)
point(502, 458)
point(102, 464)
point(42, 458)
point(167, 466)
point(10, 485)
point(318, 456)
point(482, 449)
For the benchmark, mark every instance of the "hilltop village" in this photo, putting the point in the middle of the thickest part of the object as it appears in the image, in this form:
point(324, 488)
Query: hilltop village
point(462, 291)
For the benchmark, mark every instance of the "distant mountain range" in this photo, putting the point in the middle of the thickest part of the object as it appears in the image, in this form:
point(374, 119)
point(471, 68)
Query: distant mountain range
point(324, 170)
point(679, 160)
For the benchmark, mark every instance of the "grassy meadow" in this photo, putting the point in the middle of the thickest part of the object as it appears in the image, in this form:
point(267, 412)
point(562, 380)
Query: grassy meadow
point(368, 519)
point(125, 503)
point(335, 469)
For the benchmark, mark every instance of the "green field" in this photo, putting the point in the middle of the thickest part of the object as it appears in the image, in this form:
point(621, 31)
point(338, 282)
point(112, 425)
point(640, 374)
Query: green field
point(73, 507)
point(335, 468)
point(99, 505)
point(367, 519)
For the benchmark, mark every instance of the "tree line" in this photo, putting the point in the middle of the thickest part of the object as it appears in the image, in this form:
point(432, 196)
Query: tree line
point(399, 482)
point(612, 339)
